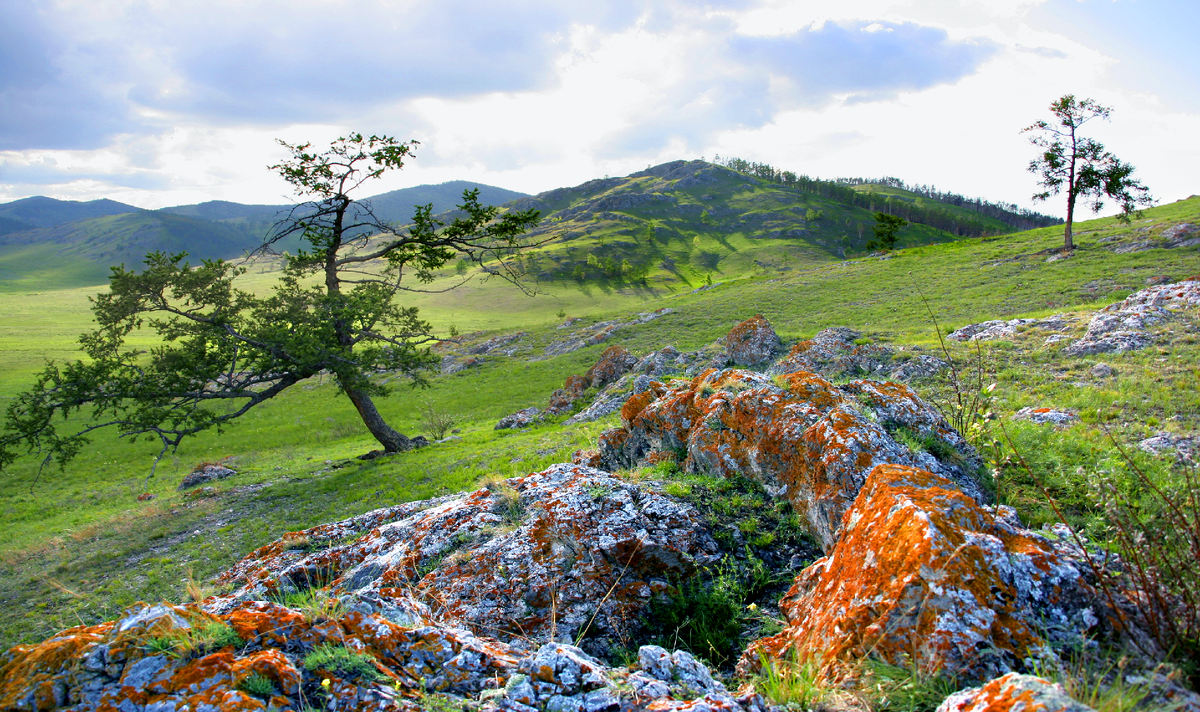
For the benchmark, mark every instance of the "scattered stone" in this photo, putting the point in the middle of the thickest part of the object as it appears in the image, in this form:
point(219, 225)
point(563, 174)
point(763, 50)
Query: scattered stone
point(520, 419)
point(204, 474)
point(1000, 329)
point(1102, 370)
point(452, 364)
point(1186, 448)
point(1045, 416)
point(1121, 327)
point(752, 343)
point(1013, 693)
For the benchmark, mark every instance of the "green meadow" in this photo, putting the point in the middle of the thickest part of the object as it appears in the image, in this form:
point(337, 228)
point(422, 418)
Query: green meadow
point(77, 544)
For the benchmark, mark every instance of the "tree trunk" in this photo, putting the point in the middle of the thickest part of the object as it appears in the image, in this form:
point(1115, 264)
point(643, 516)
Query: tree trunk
point(1068, 242)
point(391, 440)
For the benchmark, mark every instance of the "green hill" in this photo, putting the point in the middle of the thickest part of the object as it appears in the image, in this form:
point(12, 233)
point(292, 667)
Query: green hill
point(40, 211)
point(686, 223)
point(81, 252)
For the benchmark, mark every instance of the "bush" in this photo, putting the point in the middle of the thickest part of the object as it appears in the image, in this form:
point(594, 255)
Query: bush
point(436, 421)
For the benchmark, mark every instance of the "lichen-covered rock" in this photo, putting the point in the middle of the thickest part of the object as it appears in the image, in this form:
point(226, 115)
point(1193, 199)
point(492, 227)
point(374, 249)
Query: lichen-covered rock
point(111, 668)
point(833, 353)
point(752, 342)
point(802, 437)
point(923, 576)
point(517, 563)
point(520, 419)
point(612, 364)
point(1013, 693)
point(563, 399)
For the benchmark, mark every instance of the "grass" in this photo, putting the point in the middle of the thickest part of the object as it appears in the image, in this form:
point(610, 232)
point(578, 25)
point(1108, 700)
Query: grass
point(78, 546)
point(342, 660)
point(204, 635)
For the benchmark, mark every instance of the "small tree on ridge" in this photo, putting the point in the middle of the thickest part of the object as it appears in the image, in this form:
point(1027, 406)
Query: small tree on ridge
point(1080, 166)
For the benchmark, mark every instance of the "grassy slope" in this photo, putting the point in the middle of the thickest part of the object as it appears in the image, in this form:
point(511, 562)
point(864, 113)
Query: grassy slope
point(76, 544)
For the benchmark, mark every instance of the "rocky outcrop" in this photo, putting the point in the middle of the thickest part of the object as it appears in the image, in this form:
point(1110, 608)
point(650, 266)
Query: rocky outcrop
point(563, 399)
point(1122, 327)
point(613, 363)
point(805, 439)
point(549, 554)
point(922, 576)
point(263, 656)
point(834, 353)
point(600, 332)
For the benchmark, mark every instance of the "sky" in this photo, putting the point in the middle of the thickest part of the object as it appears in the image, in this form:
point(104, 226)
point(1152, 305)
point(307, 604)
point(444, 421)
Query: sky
point(167, 102)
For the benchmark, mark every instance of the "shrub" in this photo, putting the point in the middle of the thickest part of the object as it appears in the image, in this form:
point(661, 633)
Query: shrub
point(436, 420)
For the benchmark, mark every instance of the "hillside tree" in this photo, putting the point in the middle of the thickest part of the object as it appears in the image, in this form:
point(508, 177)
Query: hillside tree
point(1080, 166)
point(223, 350)
point(885, 229)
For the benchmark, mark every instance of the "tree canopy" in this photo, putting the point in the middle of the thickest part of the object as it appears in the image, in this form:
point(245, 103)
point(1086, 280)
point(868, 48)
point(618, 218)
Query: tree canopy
point(1080, 166)
point(224, 350)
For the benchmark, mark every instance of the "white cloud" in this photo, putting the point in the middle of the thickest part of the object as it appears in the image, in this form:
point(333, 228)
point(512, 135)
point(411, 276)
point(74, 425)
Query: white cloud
point(160, 103)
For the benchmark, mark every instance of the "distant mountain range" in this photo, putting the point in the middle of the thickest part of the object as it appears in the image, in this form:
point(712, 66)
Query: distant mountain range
point(43, 238)
point(682, 217)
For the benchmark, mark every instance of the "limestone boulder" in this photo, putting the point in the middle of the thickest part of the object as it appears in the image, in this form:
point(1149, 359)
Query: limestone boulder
point(752, 342)
point(923, 576)
point(612, 364)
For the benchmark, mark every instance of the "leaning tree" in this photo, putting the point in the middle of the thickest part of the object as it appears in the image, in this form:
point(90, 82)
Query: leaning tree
point(223, 350)
point(1079, 166)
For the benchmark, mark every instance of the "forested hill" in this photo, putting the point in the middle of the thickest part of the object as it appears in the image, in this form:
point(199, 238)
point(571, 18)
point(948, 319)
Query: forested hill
point(694, 221)
point(952, 212)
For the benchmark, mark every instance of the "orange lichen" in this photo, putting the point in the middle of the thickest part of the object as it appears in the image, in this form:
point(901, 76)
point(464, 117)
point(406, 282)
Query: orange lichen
point(915, 579)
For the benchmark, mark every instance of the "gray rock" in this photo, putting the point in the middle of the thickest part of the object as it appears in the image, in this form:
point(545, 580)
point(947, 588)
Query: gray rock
point(204, 474)
point(1045, 416)
point(520, 419)
point(1102, 370)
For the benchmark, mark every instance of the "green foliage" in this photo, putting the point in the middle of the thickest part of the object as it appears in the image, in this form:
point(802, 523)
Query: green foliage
point(896, 689)
point(204, 635)
point(1080, 166)
point(791, 683)
point(1097, 681)
point(886, 227)
point(342, 660)
point(258, 685)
